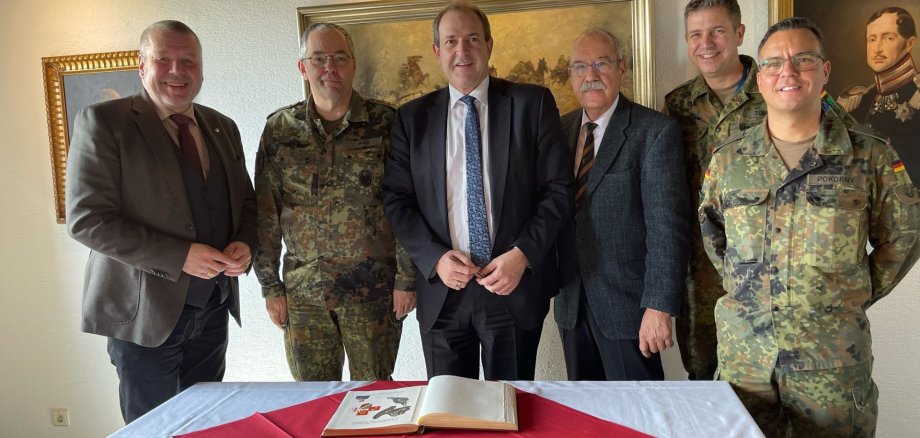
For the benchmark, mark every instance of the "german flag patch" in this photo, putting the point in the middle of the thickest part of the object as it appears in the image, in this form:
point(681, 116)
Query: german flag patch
point(898, 166)
point(708, 172)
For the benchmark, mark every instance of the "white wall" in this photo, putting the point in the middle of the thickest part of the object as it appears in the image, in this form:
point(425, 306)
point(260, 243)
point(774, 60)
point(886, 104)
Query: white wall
point(249, 69)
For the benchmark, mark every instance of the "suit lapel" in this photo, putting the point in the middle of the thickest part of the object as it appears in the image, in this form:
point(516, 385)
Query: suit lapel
point(221, 145)
point(160, 143)
point(499, 146)
point(614, 137)
point(436, 140)
point(572, 131)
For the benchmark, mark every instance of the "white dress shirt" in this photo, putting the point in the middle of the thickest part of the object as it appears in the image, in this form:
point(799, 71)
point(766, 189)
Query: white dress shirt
point(602, 123)
point(457, 217)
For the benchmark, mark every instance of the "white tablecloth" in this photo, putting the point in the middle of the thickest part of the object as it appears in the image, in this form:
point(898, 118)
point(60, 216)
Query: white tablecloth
point(662, 409)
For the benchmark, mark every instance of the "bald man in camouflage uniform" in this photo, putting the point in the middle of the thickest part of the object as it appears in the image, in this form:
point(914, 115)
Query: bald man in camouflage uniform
point(318, 175)
point(787, 210)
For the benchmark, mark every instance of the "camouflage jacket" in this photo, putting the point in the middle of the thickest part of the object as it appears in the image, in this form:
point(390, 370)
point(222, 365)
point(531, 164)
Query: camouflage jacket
point(706, 123)
point(320, 193)
point(791, 246)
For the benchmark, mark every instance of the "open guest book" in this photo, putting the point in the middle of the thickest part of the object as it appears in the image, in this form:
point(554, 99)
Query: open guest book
point(447, 402)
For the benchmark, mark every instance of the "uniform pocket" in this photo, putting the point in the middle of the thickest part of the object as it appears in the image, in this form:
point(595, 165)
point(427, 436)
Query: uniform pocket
point(745, 213)
point(834, 227)
point(299, 175)
point(362, 172)
point(865, 407)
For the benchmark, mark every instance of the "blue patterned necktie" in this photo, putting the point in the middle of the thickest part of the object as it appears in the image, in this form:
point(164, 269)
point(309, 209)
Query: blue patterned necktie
point(480, 246)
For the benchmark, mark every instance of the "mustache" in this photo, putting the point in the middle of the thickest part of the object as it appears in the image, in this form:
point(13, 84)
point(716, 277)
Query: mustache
point(592, 85)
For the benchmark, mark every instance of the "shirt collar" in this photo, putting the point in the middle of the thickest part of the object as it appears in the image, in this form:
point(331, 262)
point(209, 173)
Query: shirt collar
point(357, 111)
point(700, 87)
point(604, 119)
point(164, 113)
point(481, 93)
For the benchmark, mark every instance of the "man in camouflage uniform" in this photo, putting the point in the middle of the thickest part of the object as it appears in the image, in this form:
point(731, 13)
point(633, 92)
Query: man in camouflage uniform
point(891, 104)
point(721, 101)
point(318, 174)
point(787, 210)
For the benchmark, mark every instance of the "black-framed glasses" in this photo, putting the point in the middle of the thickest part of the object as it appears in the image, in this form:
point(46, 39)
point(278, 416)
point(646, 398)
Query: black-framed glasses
point(601, 66)
point(802, 62)
point(338, 59)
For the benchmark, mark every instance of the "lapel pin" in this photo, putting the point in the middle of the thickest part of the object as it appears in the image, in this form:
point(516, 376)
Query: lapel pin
point(216, 130)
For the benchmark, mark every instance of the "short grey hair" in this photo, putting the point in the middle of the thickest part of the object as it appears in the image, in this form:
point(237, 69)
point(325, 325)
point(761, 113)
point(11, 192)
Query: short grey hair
point(611, 38)
point(171, 26)
point(731, 6)
point(325, 26)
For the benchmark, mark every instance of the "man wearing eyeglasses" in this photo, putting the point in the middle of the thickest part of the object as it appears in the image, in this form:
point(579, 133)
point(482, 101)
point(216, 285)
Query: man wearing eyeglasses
point(346, 282)
point(623, 256)
point(787, 210)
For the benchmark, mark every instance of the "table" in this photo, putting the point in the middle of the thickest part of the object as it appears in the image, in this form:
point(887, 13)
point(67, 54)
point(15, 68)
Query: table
point(663, 409)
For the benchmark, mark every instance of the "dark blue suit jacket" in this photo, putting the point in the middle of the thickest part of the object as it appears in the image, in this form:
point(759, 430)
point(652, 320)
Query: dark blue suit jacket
point(531, 183)
point(630, 246)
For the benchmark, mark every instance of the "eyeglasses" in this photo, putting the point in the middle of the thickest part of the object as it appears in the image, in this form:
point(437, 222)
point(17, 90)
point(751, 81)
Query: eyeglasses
point(801, 62)
point(338, 59)
point(580, 69)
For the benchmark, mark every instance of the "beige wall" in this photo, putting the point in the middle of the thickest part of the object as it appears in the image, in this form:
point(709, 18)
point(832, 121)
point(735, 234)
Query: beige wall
point(249, 69)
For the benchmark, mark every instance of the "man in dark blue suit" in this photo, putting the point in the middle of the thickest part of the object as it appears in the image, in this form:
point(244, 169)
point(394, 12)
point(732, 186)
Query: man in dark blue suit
point(623, 257)
point(476, 187)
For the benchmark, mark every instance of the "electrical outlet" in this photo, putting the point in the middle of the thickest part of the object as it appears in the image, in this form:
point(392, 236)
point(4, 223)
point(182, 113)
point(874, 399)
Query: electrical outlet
point(60, 417)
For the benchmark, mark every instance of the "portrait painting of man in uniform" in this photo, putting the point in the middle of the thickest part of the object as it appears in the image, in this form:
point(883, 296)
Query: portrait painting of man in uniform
point(878, 86)
point(398, 73)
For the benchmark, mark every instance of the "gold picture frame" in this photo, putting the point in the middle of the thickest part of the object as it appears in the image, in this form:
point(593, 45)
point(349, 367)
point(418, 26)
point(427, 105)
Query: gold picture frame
point(71, 83)
point(387, 32)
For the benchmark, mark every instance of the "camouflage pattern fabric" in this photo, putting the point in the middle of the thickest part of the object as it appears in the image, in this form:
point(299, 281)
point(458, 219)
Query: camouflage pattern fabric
point(319, 193)
point(839, 402)
point(315, 337)
point(705, 122)
point(791, 247)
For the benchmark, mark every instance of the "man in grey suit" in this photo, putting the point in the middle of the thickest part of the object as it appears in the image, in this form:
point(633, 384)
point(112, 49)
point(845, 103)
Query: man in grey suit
point(157, 188)
point(623, 256)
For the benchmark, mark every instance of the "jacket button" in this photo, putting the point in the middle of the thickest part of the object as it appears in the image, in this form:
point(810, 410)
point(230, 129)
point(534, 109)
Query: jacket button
point(774, 270)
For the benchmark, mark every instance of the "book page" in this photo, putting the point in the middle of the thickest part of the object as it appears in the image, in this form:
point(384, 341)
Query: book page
point(468, 398)
point(376, 409)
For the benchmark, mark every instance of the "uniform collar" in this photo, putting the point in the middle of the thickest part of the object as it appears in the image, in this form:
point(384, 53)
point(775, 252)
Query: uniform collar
point(832, 139)
point(700, 87)
point(896, 76)
point(357, 111)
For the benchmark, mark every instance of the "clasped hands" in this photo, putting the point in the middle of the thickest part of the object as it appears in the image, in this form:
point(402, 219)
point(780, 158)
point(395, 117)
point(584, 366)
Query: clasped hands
point(204, 261)
point(500, 276)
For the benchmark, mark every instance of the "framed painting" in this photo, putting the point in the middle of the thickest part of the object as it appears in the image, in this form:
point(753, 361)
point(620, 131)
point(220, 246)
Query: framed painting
point(844, 24)
point(533, 38)
point(72, 83)
point(872, 46)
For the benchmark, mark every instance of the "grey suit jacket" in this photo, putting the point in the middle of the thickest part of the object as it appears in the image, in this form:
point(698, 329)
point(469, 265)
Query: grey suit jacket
point(126, 201)
point(629, 247)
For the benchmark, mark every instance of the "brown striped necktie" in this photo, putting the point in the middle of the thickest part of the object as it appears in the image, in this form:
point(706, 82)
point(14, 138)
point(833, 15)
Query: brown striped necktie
point(587, 159)
point(187, 142)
